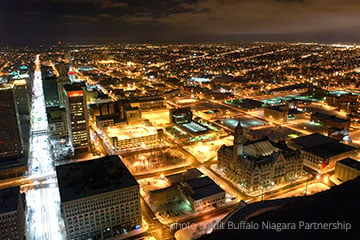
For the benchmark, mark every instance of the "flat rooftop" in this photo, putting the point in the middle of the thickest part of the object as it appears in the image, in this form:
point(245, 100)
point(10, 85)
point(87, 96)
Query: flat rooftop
point(84, 179)
point(199, 182)
point(203, 187)
point(74, 86)
point(9, 199)
point(193, 127)
point(313, 140)
point(321, 145)
point(128, 132)
point(207, 191)
point(331, 117)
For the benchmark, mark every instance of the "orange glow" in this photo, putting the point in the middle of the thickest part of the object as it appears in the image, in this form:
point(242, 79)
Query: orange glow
point(75, 94)
point(20, 82)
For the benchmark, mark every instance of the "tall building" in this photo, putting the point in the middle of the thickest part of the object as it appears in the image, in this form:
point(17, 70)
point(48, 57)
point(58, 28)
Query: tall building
point(260, 164)
point(57, 122)
point(71, 74)
point(50, 87)
point(77, 116)
point(99, 198)
point(22, 96)
point(10, 134)
point(12, 214)
point(62, 80)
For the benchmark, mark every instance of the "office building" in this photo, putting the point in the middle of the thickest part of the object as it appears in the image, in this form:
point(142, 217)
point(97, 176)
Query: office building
point(124, 137)
point(330, 120)
point(77, 116)
point(62, 80)
point(99, 198)
point(276, 113)
point(22, 96)
point(260, 164)
point(347, 169)
point(12, 214)
point(180, 115)
point(56, 117)
point(10, 134)
point(203, 193)
point(320, 152)
point(50, 87)
point(148, 102)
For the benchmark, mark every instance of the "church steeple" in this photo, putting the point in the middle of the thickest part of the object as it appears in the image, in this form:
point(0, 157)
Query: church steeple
point(238, 140)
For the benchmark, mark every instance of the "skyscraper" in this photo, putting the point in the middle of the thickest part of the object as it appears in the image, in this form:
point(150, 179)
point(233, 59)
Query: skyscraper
point(50, 87)
point(77, 116)
point(22, 96)
point(12, 214)
point(62, 80)
point(10, 135)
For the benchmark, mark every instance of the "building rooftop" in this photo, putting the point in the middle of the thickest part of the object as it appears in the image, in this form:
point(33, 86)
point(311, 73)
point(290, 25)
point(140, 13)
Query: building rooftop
point(93, 177)
point(350, 163)
point(313, 140)
point(203, 187)
point(145, 99)
point(199, 182)
point(188, 175)
point(130, 131)
point(250, 103)
point(206, 191)
point(74, 86)
point(330, 117)
point(260, 148)
point(9, 199)
point(194, 127)
point(278, 108)
point(321, 145)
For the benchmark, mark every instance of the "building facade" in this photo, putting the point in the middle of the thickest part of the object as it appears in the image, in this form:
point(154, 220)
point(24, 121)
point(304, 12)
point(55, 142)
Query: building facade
point(277, 113)
point(320, 152)
point(22, 96)
point(203, 193)
point(148, 102)
point(12, 214)
point(10, 134)
point(100, 198)
point(330, 120)
point(347, 169)
point(259, 165)
point(77, 116)
point(58, 127)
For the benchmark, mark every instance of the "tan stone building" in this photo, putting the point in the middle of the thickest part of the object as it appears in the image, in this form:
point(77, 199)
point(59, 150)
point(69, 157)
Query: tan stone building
point(260, 164)
point(347, 169)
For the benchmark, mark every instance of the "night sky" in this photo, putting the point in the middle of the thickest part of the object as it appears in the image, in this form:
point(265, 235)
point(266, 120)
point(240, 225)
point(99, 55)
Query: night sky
point(32, 22)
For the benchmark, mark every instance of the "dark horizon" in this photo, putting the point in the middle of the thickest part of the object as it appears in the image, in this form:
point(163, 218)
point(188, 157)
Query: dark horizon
point(36, 22)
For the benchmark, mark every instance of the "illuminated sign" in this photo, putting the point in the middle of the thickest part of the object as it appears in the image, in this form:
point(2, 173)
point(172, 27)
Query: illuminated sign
point(75, 94)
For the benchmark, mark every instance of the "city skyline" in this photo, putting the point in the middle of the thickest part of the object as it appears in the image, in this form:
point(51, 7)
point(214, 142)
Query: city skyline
point(179, 119)
point(39, 22)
